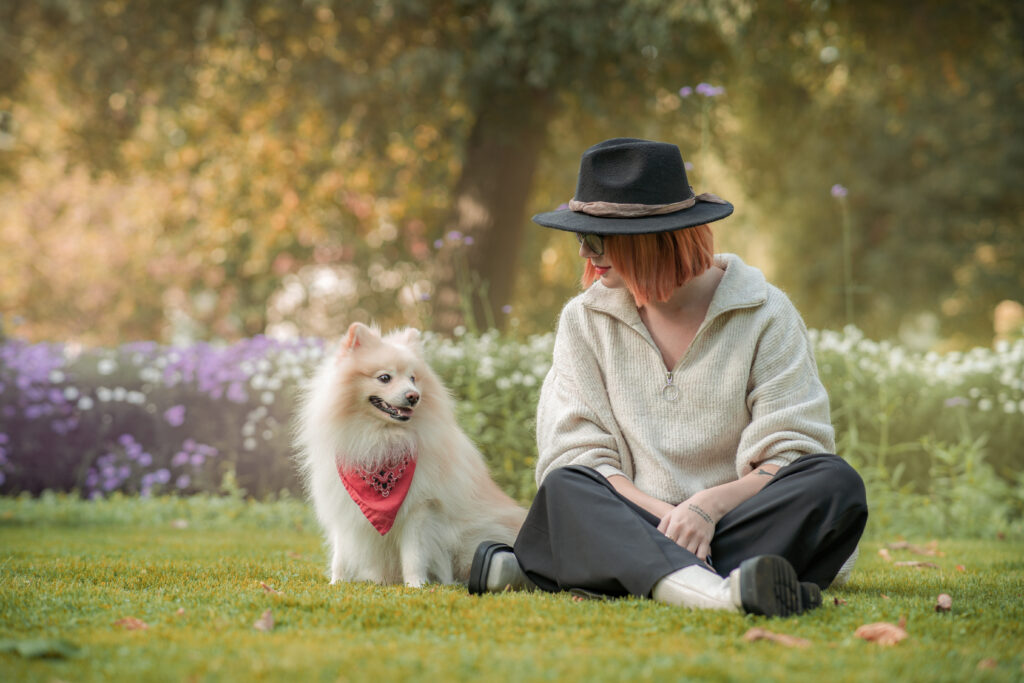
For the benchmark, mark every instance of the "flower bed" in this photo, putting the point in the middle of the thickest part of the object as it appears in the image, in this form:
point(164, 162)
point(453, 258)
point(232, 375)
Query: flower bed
point(145, 419)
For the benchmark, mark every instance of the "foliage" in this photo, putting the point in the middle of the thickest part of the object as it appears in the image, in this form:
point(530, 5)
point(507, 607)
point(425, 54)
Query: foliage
point(935, 436)
point(924, 134)
point(197, 170)
point(199, 589)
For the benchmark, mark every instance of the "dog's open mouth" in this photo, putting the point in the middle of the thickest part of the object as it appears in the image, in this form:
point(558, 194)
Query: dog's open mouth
point(396, 412)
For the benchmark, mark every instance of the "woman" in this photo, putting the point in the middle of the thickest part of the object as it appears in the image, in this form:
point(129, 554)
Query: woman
point(684, 436)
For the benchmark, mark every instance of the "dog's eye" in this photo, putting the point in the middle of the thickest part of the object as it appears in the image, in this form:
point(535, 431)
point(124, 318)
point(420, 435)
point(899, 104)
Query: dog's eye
point(384, 379)
point(412, 378)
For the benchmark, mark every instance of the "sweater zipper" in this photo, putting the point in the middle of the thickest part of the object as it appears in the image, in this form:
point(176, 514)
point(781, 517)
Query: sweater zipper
point(670, 392)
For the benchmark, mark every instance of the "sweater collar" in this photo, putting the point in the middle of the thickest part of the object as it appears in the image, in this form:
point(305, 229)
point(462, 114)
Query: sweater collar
point(742, 286)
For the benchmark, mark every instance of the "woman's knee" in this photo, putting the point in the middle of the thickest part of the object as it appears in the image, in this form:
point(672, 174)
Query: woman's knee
point(569, 477)
point(835, 478)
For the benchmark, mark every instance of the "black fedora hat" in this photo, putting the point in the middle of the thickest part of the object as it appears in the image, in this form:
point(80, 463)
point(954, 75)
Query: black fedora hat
point(631, 187)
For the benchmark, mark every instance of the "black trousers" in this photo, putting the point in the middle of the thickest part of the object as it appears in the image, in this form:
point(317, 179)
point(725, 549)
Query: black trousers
point(581, 533)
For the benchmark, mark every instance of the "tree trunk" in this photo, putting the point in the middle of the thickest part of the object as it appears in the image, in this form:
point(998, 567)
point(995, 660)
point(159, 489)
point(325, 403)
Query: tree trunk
point(477, 276)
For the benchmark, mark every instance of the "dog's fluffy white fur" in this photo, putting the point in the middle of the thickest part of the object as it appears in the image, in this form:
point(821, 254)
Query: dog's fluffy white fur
point(371, 401)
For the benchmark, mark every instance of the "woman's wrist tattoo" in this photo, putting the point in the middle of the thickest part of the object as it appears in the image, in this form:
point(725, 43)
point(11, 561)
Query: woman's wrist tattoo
point(703, 515)
point(765, 473)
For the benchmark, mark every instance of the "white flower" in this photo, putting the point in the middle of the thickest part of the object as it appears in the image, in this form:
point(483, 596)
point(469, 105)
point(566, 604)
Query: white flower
point(56, 377)
point(70, 393)
point(1010, 407)
point(136, 398)
point(150, 374)
point(267, 398)
point(120, 393)
point(103, 394)
point(85, 403)
point(106, 366)
point(249, 444)
point(985, 404)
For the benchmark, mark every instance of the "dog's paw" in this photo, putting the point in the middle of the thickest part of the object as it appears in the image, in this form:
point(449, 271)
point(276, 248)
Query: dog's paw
point(415, 582)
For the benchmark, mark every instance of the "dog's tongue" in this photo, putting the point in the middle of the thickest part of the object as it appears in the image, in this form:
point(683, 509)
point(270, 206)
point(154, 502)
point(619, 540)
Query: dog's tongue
point(380, 494)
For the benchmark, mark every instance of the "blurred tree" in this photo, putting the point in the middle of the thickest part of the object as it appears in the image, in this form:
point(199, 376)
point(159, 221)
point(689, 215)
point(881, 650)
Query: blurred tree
point(330, 133)
point(915, 108)
point(193, 161)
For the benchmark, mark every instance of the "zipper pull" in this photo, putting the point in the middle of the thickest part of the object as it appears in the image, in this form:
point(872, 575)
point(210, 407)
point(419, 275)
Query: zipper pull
point(671, 391)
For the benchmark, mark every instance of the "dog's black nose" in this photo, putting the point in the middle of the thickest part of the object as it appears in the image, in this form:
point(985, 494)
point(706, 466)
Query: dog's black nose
point(412, 397)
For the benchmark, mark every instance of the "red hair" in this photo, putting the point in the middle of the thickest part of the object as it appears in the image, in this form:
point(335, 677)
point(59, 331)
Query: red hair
point(654, 265)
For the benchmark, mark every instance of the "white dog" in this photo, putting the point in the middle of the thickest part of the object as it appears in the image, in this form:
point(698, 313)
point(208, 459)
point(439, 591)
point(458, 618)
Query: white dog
point(400, 491)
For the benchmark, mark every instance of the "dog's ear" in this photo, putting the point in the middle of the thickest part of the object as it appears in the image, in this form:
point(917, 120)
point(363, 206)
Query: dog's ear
point(358, 336)
point(410, 336)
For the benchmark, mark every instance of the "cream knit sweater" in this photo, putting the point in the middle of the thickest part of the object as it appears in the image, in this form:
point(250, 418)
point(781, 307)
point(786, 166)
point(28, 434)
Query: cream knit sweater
point(748, 390)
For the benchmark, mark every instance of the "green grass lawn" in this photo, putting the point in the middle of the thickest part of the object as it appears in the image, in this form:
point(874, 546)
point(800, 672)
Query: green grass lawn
point(192, 571)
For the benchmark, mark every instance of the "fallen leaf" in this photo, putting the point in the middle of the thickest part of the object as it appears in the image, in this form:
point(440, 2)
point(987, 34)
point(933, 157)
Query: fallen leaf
point(839, 601)
point(180, 524)
point(780, 638)
point(181, 611)
point(916, 563)
point(131, 624)
point(265, 622)
point(294, 555)
point(961, 568)
point(931, 549)
point(269, 589)
point(885, 555)
point(943, 603)
point(884, 596)
point(988, 663)
point(883, 632)
point(578, 598)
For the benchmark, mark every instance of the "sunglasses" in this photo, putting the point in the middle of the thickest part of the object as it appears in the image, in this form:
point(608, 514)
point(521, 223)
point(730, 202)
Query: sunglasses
point(595, 243)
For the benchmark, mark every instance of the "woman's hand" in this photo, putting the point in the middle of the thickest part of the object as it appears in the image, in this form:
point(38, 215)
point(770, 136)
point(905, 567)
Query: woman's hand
point(691, 525)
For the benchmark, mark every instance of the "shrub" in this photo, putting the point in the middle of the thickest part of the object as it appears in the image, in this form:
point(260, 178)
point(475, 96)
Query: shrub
point(935, 436)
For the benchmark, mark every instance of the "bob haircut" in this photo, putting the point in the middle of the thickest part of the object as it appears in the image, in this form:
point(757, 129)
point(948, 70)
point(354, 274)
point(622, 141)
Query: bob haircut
point(655, 264)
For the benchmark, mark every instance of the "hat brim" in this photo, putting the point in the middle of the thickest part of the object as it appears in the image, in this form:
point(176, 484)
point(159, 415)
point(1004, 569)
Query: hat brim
point(575, 221)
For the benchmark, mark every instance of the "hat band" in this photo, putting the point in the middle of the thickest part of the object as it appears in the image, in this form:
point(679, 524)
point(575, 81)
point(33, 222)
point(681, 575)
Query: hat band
point(614, 210)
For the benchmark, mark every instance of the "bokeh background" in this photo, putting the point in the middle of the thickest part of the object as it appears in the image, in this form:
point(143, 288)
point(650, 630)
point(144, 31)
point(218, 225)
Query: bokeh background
point(194, 194)
point(199, 169)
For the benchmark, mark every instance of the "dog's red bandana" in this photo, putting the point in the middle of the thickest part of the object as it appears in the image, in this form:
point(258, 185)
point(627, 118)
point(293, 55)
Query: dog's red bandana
point(379, 494)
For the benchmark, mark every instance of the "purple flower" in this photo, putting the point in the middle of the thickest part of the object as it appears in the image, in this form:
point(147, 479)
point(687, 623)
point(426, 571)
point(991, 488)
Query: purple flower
point(180, 458)
point(685, 91)
point(562, 207)
point(236, 393)
point(688, 165)
point(453, 236)
point(183, 481)
point(838, 191)
point(197, 460)
point(438, 244)
point(468, 241)
point(145, 460)
point(425, 297)
point(175, 415)
point(708, 90)
point(506, 309)
point(162, 476)
point(956, 401)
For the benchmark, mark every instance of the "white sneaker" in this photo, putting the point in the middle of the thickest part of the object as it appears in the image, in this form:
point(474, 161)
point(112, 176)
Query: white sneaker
point(766, 585)
point(844, 572)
